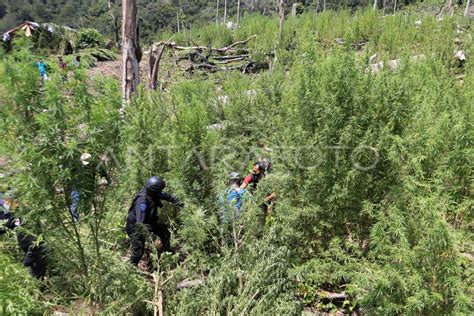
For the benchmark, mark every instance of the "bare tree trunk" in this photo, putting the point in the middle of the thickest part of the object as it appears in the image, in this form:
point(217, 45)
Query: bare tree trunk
point(158, 308)
point(157, 302)
point(225, 11)
point(383, 8)
point(281, 14)
point(468, 5)
point(156, 52)
point(375, 4)
point(395, 6)
point(324, 5)
point(217, 12)
point(130, 48)
point(115, 20)
point(177, 20)
point(238, 12)
point(449, 6)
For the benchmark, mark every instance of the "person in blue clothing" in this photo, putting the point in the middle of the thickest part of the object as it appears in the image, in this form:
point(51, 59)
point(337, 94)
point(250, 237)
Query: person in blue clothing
point(84, 184)
point(43, 69)
point(233, 199)
point(232, 203)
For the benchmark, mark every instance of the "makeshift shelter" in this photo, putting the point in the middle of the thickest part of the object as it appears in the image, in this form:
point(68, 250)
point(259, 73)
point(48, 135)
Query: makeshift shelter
point(28, 27)
point(47, 37)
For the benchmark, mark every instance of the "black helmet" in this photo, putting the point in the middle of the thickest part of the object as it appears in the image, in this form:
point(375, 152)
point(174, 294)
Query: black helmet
point(235, 176)
point(155, 185)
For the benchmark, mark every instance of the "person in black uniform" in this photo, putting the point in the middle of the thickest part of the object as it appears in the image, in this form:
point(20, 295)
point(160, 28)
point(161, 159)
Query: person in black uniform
point(35, 253)
point(144, 210)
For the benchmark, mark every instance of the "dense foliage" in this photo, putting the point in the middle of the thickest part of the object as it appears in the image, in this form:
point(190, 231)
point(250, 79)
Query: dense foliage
point(155, 15)
point(372, 170)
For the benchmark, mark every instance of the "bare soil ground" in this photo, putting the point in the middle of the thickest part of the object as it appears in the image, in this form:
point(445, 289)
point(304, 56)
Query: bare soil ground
point(113, 69)
point(108, 68)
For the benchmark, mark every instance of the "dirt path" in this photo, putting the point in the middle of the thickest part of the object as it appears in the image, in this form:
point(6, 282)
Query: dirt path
point(113, 69)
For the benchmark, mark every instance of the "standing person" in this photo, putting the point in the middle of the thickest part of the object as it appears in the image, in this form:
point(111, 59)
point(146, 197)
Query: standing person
point(63, 67)
point(42, 68)
point(35, 252)
point(231, 210)
point(143, 219)
point(269, 202)
point(258, 172)
point(85, 184)
point(77, 62)
point(234, 198)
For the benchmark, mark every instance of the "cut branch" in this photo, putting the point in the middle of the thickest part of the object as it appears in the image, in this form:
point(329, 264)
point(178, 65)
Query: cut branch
point(236, 43)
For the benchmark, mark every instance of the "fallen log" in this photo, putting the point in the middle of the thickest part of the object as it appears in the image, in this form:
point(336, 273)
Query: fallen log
point(228, 61)
point(185, 284)
point(246, 68)
point(468, 256)
point(209, 67)
point(332, 296)
point(212, 49)
point(225, 57)
point(356, 45)
point(195, 56)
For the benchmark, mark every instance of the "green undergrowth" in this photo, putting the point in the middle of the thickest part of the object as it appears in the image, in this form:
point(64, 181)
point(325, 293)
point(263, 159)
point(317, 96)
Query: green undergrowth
point(372, 171)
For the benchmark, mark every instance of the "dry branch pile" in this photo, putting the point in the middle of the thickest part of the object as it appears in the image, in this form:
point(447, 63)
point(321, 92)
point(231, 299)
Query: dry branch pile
point(206, 58)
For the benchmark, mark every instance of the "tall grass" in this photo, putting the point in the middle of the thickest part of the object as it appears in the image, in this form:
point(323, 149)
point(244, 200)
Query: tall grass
point(390, 234)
